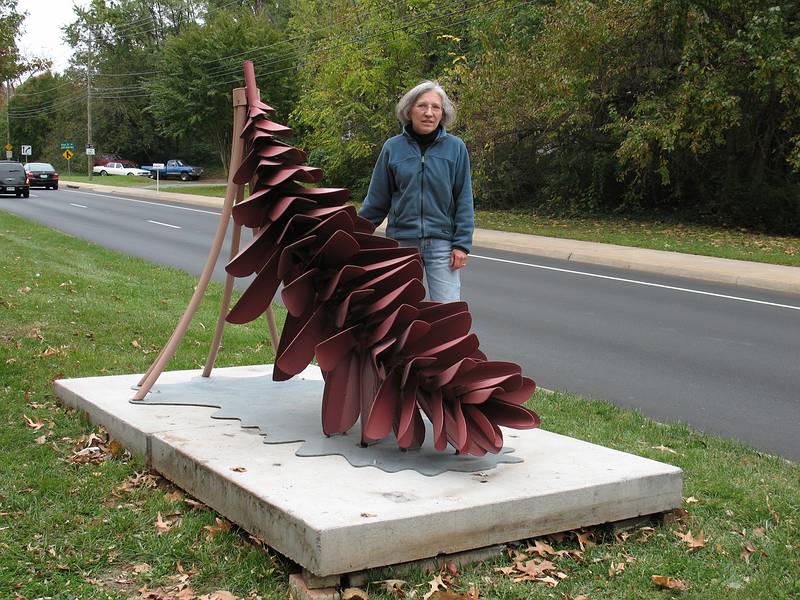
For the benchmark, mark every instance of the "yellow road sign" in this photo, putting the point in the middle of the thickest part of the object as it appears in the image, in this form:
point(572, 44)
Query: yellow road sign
point(68, 154)
point(8, 147)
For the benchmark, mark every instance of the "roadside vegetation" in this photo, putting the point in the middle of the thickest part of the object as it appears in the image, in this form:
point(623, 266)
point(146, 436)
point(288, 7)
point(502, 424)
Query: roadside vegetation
point(81, 518)
point(623, 108)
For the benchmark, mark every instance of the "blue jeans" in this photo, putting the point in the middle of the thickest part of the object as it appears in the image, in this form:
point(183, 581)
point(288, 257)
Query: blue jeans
point(444, 283)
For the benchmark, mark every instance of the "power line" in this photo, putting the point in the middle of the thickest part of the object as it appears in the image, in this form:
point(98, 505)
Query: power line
point(113, 92)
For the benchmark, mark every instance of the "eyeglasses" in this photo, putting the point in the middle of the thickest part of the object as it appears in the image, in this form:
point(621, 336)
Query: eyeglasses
point(424, 107)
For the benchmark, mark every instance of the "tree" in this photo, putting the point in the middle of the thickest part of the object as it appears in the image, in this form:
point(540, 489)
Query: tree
point(353, 71)
point(190, 96)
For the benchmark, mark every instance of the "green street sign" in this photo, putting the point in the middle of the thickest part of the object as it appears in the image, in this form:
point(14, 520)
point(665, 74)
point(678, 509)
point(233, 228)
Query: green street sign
point(67, 146)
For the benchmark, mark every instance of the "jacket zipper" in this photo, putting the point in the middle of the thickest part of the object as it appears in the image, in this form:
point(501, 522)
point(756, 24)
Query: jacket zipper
point(421, 198)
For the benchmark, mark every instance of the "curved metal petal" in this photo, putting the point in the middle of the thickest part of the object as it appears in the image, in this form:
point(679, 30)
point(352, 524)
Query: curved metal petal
point(300, 293)
point(333, 351)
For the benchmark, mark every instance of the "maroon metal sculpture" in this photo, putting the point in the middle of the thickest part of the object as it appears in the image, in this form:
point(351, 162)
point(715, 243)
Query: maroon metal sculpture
point(356, 301)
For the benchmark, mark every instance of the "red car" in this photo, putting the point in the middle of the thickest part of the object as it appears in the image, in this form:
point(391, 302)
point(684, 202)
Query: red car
point(104, 159)
point(42, 175)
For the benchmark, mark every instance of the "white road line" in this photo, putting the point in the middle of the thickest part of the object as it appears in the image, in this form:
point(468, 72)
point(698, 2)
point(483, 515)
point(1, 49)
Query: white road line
point(512, 262)
point(78, 205)
point(636, 282)
point(208, 212)
point(164, 224)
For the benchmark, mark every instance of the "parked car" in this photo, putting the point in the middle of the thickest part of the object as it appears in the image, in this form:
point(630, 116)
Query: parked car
point(104, 159)
point(13, 179)
point(42, 175)
point(117, 168)
point(175, 168)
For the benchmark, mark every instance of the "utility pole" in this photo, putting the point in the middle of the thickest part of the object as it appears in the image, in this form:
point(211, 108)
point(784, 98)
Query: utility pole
point(89, 111)
point(8, 118)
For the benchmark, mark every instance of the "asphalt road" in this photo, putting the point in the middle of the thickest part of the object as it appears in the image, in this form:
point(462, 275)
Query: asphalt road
point(724, 359)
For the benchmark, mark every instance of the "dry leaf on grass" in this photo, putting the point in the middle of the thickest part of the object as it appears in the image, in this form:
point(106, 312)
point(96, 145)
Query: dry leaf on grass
point(164, 524)
point(218, 595)
point(141, 568)
point(616, 568)
point(195, 504)
point(584, 539)
point(354, 594)
point(42, 439)
point(541, 548)
point(222, 526)
point(663, 448)
point(35, 425)
point(175, 496)
point(691, 541)
point(437, 584)
point(393, 586)
point(748, 549)
point(669, 583)
point(691, 500)
point(143, 479)
point(135, 344)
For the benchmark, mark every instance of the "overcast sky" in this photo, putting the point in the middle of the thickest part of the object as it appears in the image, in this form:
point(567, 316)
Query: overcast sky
point(42, 35)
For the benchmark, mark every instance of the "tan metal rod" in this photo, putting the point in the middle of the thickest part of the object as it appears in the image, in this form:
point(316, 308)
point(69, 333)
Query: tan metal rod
point(226, 295)
point(237, 154)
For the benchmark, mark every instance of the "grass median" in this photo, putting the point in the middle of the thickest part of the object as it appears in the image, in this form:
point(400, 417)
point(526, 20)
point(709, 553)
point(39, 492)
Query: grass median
point(98, 525)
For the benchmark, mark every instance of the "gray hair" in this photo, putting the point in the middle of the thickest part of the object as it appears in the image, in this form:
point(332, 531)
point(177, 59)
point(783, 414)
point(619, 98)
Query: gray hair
point(406, 103)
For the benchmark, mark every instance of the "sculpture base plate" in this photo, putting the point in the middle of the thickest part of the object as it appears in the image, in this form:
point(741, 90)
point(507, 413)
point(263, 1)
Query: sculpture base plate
point(333, 518)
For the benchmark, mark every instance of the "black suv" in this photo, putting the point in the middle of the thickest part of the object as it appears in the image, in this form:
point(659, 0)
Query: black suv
point(13, 179)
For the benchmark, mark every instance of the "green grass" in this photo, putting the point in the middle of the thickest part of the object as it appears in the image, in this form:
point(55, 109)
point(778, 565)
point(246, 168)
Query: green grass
point(114, 180)
point(657, 234)
point(70, 309)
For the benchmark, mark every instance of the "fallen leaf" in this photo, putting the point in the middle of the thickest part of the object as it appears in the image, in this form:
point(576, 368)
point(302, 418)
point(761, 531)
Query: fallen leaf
point(194, 504)
point(451, 568)
point(437, 584)
point(692, 500)
point(175, 496)
point(354, 594)
point(135, 344)
point(218, 595)
point(669, 583)
point(238, 469)
point(24, 290)
point(42, 439)
point(759, 532)
point(615, 568)
point(35, 425)
point(691, 541)
point(548, 581)
point(393, 586)
point(748, 548)
point(541, 548)
point(583, 539)
point(138, 480)
point(141, 568)
point(664, 449)
point(163, 525)
point(222, 525)
point(368, 515)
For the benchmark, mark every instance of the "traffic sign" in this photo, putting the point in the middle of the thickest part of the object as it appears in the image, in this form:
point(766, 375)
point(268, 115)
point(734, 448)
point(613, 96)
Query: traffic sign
point(26, 151)
point(8, 147)
point(67, 146)
point(68, 154)
point(9, 155)
point(89, 150)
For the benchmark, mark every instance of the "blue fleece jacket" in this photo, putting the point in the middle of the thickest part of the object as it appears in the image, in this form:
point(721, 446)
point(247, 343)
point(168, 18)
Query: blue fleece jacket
point(424, 195)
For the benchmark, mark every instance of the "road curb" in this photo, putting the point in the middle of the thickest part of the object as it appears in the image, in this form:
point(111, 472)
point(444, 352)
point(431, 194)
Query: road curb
point(764, 276)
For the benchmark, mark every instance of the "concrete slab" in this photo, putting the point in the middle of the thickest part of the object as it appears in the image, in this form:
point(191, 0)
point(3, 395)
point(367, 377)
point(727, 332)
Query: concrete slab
point(332, 518)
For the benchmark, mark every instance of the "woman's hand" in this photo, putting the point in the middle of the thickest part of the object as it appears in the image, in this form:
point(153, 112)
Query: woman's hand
point(458, 259)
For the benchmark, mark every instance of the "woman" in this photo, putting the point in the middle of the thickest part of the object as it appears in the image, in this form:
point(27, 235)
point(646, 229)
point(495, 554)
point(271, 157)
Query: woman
point(422, 182)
